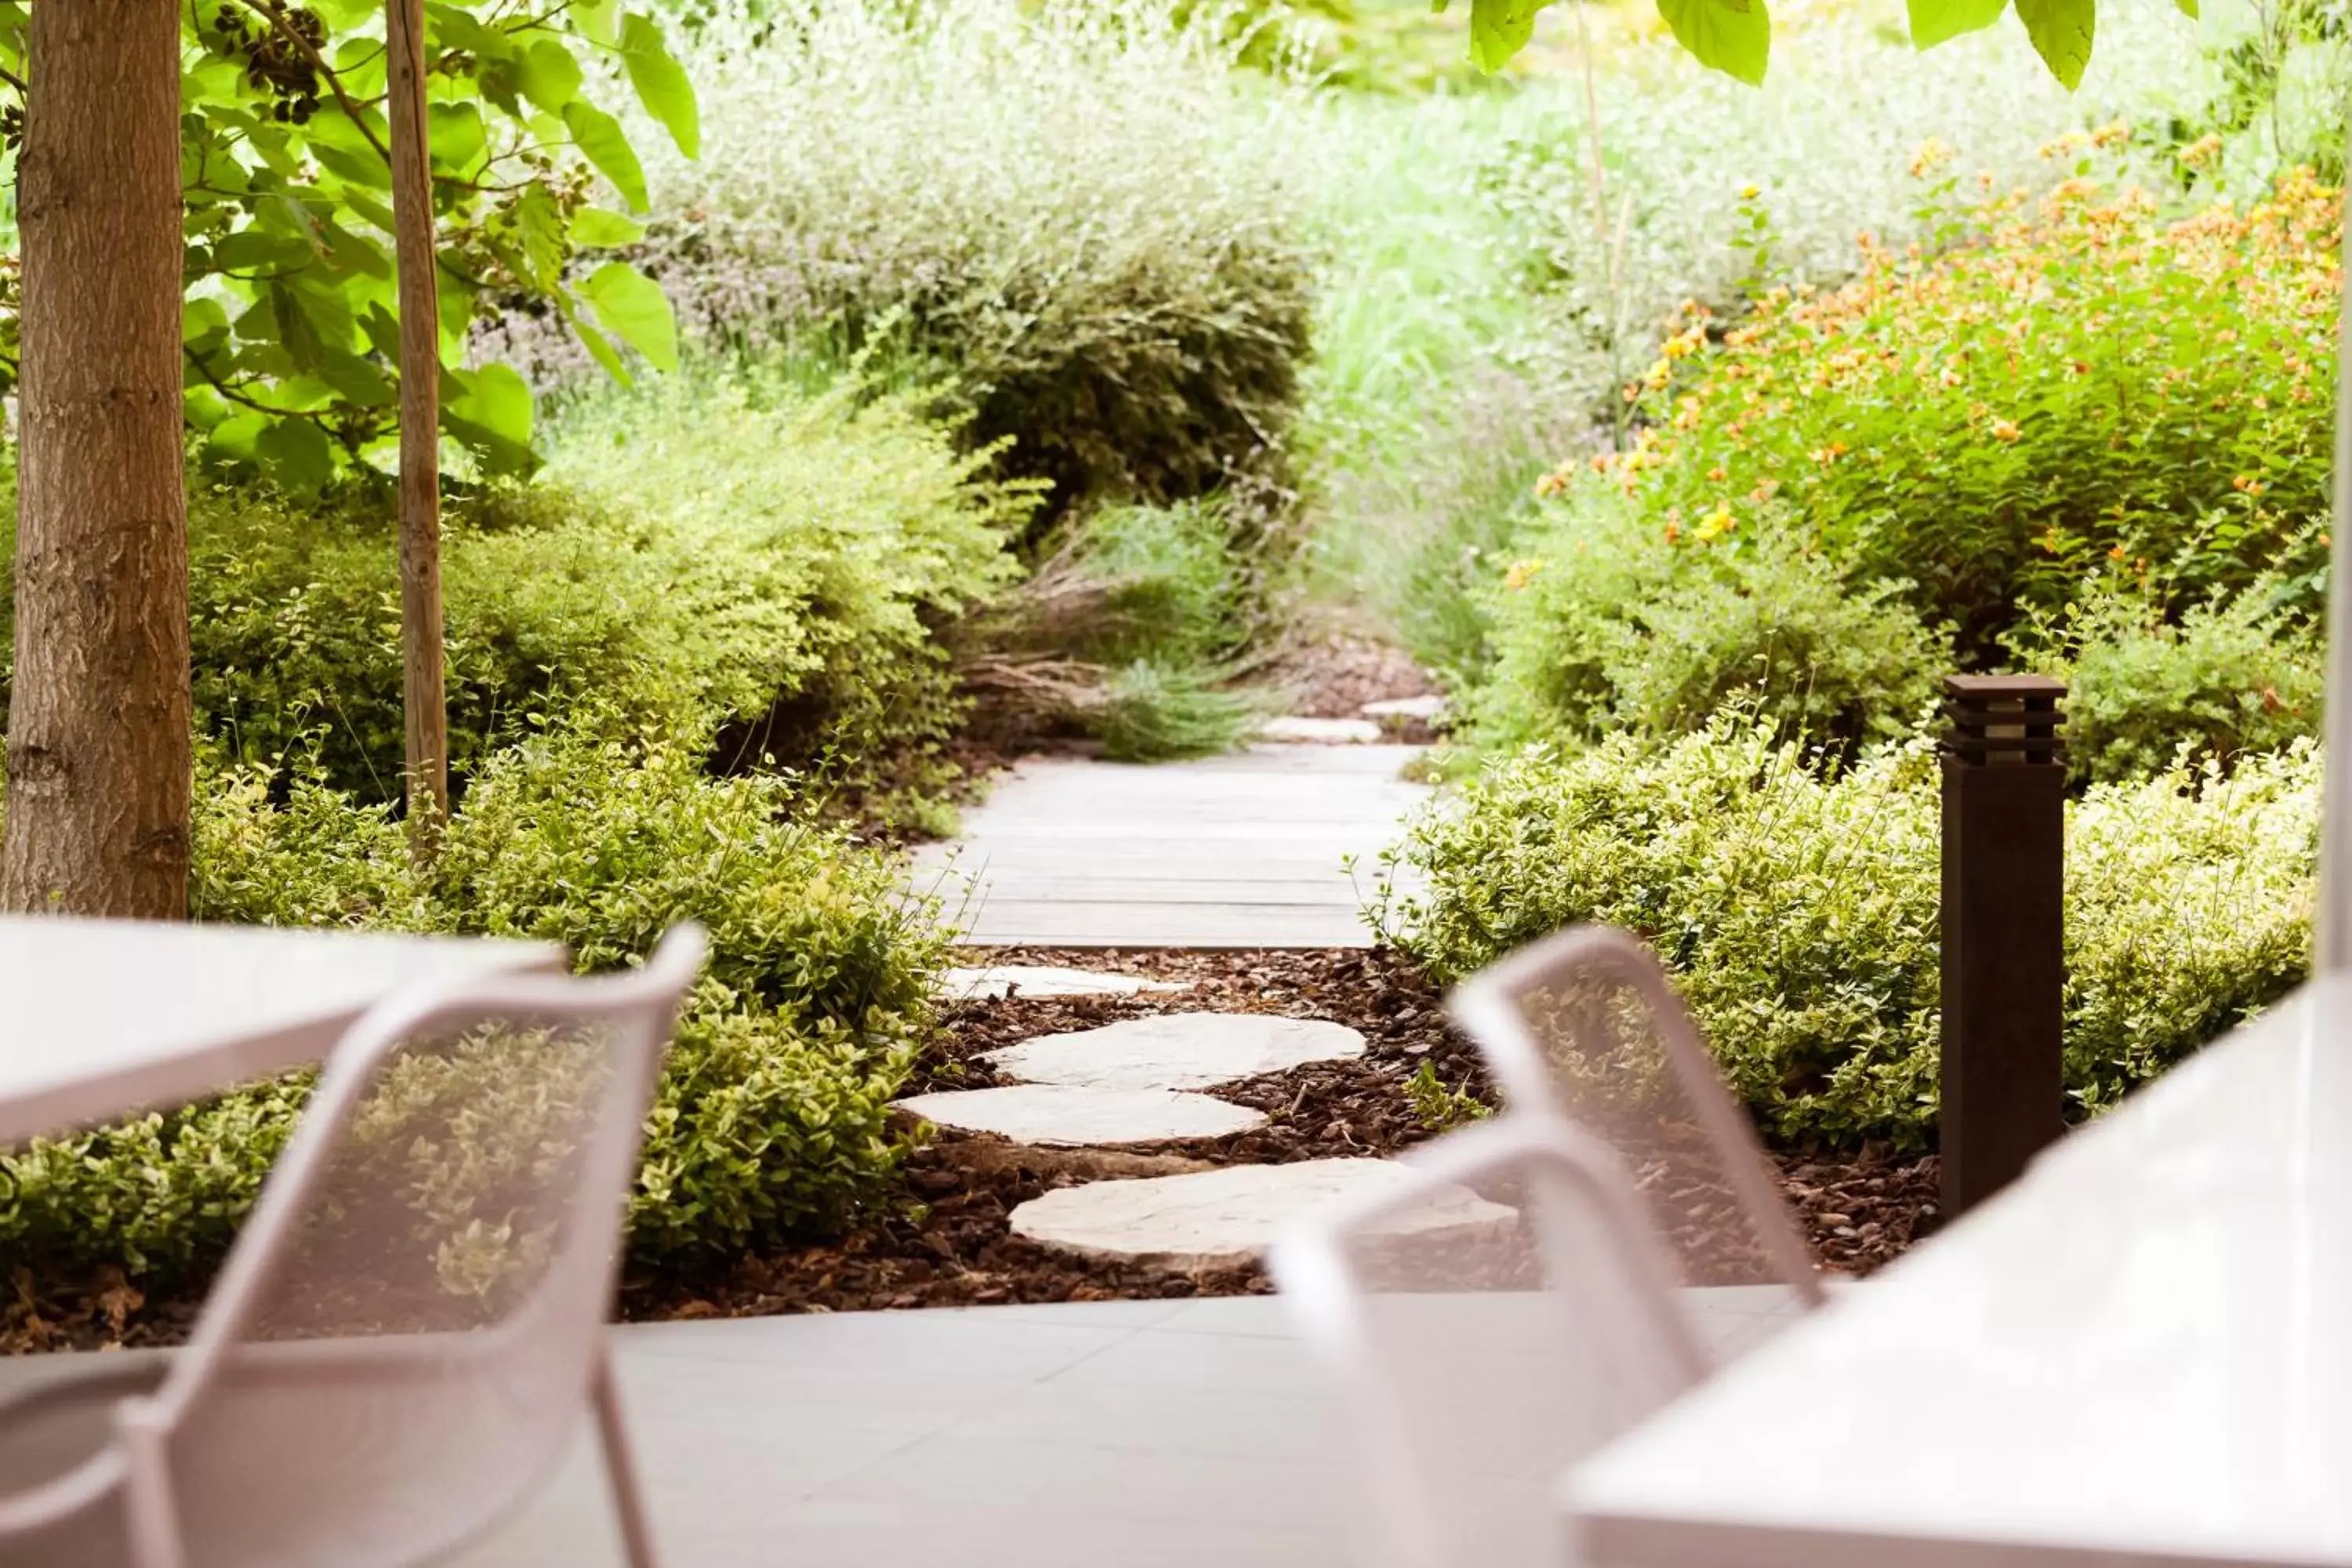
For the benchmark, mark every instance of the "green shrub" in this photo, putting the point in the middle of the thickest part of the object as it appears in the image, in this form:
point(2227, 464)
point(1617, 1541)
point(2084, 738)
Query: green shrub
point(2081, 382)
point(770, 1119)
point(1133, 630)
point(1796, 906)
point(2226, 680)
point(698, 551)
point(1602, 627)
point(1077, 211)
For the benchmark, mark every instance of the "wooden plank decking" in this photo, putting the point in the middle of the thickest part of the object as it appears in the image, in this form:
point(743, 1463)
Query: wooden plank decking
point(1240, 851)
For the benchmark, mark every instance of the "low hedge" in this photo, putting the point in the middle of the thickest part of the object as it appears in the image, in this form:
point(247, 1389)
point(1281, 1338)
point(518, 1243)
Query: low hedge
point(770, 1123)
point(706, 550)
point(1796, 902)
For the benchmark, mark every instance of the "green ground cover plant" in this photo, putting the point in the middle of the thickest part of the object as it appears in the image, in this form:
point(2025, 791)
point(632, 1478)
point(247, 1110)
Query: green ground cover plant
point(770, 1122)
point(1795, 901)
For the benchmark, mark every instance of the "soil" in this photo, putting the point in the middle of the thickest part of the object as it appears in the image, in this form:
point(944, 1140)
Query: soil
point(948, 1243)
point(1859, 1210)
point(1332, 675)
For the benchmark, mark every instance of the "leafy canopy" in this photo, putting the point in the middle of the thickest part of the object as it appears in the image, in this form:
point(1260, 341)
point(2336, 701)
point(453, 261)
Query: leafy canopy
point(292, 311)
point(1735, 36)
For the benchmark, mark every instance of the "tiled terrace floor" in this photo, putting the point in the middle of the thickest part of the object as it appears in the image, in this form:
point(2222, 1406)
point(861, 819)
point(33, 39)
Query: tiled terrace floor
point(1113, 1435)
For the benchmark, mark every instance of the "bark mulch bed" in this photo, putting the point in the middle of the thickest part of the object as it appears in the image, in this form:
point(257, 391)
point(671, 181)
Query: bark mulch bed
point(956, 1248)
point(947, 1243)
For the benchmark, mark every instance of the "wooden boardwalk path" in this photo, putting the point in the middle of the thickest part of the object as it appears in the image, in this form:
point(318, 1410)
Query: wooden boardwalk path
point(1237, 851)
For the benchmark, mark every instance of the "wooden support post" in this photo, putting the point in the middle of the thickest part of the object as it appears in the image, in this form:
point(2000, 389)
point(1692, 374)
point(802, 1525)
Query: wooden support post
point(2003, 930)
point(425, 699)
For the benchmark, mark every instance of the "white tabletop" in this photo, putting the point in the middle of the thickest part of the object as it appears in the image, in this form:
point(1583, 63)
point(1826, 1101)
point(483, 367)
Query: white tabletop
point(2140, 1354)
point(100, 1018)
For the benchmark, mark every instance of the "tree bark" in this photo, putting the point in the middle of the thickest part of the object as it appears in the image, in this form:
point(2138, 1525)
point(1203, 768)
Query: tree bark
point(423, 698)
point(98, 726)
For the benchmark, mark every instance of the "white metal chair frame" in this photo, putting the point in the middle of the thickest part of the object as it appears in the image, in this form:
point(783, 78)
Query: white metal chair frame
point(1489, 1006)
point(1311, 1265)
point(134, 1471)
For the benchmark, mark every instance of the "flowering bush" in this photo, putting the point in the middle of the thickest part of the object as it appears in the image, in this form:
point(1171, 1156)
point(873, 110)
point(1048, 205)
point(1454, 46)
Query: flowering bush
point(1600, 629)
point(1796, 904)
point(2077, 379)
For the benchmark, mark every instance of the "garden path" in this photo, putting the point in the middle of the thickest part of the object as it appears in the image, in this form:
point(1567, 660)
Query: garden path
point(1246, 850)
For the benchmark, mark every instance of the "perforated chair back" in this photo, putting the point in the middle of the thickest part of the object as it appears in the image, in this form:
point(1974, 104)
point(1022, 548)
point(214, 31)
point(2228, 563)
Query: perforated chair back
point(1587, 1024)
point(411, 1324)
point(1496, 1316)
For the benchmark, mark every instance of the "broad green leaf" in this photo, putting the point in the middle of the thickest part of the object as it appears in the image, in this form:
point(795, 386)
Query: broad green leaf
point(2060, 31)
point(550, 78)
point(599, 21)
point(633, 308)
point(1937, 21)
point(458, 136)
point(596, 229)
point(599, 136)
point(305, 344)
point(238, 436)
point(1734, 37)
point(492, 414)
point(600, 348)
point(203, 325)
point(661, 83)
point(295, 452)
point(2188, 9)
point(451, 28)
point(357, 381)
point(1499, 30)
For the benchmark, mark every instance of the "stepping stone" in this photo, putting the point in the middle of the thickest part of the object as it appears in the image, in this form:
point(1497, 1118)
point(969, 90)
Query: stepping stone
point(1179, 1050)
point(1427, 709)
point(1224, 1218)
point(1063, 1116)
point(999, 981)
point(1322, 732)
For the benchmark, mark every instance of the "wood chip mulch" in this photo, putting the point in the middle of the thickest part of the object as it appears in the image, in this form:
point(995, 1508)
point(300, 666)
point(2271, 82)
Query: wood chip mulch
point(947, 1241)
point(1859, 1210)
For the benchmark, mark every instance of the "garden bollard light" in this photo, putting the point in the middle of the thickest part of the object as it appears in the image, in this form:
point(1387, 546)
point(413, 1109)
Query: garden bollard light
point(2003, 930)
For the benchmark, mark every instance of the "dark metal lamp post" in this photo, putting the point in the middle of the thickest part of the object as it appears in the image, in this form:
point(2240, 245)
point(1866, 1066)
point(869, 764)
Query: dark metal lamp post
point(2003, 930)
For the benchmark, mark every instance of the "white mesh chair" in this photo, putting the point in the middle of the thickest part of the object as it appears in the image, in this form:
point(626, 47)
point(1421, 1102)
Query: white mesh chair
point(1482, 1344)
point(1586, 1023)
point(404, 1338)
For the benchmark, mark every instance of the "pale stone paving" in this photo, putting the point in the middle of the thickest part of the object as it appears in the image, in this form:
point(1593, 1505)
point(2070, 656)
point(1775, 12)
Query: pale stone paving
point(1224, 1218)
point(1060, 1116)
point(1249, 850)
point(1179, 1050)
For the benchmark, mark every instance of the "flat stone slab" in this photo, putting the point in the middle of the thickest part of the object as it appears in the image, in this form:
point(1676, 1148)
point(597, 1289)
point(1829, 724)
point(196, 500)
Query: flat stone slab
point(1065, 1116)
point(1224, 1218)
point(1428, 710)
point(1003, 980)
point(1322, 732)
point(1179, 1050)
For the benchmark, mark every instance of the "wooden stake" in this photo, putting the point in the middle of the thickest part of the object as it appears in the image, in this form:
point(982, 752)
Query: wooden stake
point(425, 699)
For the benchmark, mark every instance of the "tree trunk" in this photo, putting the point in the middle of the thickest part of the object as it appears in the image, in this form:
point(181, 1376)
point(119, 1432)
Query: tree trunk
point(423, 699)
point(99, 767)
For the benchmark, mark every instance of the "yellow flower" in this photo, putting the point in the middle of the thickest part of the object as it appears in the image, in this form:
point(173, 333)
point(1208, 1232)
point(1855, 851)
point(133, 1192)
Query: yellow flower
point(2004, 430)
point(1748, 193)
point(1715, 524)
point(1932, 153)
point(1520, 574)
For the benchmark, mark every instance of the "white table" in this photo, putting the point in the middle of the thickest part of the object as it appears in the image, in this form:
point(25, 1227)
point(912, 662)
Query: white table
point(100, 1018)
point(2139, 1354)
